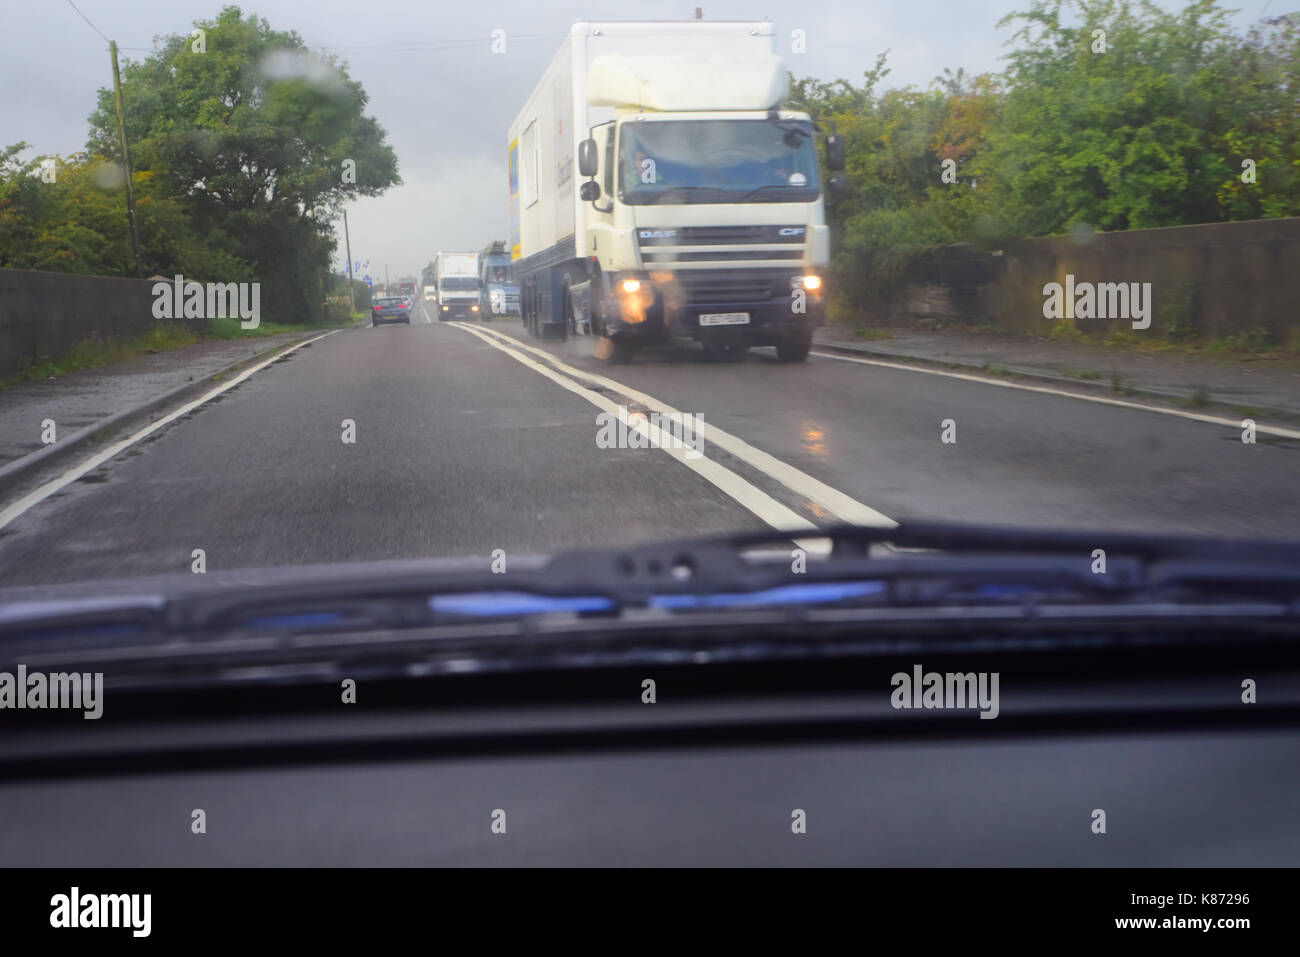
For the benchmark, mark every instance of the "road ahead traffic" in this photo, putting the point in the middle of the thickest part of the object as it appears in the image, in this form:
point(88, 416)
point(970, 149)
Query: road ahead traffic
point(474, 437)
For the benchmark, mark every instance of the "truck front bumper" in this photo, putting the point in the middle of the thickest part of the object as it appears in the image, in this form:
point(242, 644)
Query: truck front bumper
point(457, 310)
point(763, 309)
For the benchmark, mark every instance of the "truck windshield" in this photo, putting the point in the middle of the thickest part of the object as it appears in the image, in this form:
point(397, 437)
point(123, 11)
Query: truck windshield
point(498, 273)
point(716, 161)
point(459, 283)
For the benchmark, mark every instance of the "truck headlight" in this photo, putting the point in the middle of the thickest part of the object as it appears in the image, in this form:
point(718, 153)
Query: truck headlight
point(445, 308)
point(631, 285)
point(811, 283)
point(473, 308)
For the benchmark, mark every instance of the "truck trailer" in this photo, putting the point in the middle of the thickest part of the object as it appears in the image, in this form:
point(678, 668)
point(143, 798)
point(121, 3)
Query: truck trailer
point(456, 276)
point(658, 189)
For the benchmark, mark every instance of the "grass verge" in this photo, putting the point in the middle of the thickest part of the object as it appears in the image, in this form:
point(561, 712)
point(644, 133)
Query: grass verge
point(98, 351)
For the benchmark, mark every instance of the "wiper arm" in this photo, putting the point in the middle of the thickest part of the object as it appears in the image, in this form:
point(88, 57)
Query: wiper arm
point(759, 190)
point(656, 197)
point(1133, 560)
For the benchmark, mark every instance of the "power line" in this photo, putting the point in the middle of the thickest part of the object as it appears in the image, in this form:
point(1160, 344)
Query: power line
point(87, 19)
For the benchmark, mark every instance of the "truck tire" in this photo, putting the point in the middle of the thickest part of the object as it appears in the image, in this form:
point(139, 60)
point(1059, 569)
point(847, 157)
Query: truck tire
point(570, 325)
point(796, 347)
point(526, 310)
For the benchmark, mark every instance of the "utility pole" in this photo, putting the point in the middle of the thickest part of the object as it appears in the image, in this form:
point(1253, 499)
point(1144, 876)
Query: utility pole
point(352, 298)
point(386, 288)
point(126, 161)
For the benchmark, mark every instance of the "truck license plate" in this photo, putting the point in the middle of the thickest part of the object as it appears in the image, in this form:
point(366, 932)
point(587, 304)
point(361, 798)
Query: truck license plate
point(724, 319)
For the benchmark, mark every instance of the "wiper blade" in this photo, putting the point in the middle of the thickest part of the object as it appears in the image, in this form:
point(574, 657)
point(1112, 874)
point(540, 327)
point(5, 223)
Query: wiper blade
point(758, 191)
point(916, 565)
point(995, 555)
point(656, 197)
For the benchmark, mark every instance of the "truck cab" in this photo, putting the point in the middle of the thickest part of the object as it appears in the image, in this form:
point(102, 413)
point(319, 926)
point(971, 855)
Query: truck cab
point(706, 225)
point(500, 292)
point(457, 280)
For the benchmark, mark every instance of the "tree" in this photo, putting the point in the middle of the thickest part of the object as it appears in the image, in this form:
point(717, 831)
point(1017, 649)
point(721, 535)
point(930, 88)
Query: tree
point(260, 141)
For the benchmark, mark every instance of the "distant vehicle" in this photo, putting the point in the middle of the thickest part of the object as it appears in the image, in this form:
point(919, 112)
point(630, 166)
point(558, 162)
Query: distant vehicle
point(431, 293)
point(456, 276)
point(406, 287)
point(659, 189)
point(500, 294)
point(390, 309)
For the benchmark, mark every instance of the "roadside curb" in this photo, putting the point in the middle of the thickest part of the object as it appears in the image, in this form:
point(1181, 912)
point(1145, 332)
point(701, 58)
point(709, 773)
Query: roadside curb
point(19, 471)
point(1172, 396)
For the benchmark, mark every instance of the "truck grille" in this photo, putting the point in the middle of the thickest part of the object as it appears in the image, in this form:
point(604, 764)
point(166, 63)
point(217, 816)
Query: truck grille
point(689, 247)
point(719, 235)
point(723, 255)
point(707, 286)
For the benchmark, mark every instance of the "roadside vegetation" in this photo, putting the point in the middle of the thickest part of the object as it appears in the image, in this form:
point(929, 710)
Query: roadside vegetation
point(243, 154)
point(96, 352)
point(1143, 124)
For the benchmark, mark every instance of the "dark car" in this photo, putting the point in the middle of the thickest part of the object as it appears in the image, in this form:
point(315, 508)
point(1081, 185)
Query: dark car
point(392, 309)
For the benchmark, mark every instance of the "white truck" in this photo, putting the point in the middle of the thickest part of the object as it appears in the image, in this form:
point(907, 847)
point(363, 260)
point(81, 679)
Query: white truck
point(430, 293)
point(702, 211)
point(456, 276)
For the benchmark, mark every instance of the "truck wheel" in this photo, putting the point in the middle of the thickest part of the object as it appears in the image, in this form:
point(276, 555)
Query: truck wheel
point(565, 328)
point(567, 307)
point(796, 347)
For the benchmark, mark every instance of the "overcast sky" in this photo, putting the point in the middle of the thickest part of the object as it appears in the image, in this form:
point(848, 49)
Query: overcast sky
point(447, 107)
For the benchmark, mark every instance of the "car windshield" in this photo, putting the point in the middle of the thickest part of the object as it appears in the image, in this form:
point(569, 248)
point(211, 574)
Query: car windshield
point(714, 161)
point(262, 308)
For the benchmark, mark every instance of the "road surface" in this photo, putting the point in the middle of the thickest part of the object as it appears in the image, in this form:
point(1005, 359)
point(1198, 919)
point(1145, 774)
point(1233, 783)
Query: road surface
point(470, 438)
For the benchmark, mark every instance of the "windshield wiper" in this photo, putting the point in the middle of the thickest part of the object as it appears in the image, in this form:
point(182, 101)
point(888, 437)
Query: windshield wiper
point(759, 190)
point(961, 580)
point(919, 563)
point(656, 197)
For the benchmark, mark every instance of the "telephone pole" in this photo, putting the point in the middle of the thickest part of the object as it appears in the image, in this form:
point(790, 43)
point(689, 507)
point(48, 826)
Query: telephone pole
point(126, 161)
point(352, 298)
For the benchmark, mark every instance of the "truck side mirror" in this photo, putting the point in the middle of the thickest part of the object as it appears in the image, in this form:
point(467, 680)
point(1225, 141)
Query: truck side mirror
point(837, 184)
point(588, 162)
point(590, 190)
point(834, 151)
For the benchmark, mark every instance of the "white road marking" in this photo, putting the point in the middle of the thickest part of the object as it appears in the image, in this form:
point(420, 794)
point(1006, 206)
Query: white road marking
point(737, 487)
point(1049, 390)
point(840, 505)
point(39, 495)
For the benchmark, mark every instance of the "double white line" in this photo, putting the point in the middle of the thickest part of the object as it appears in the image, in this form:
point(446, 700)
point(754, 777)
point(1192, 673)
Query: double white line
point(800, 483)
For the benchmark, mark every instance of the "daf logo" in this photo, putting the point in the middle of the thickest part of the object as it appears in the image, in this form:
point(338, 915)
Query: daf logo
point(791, 231)
point(658, 233)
